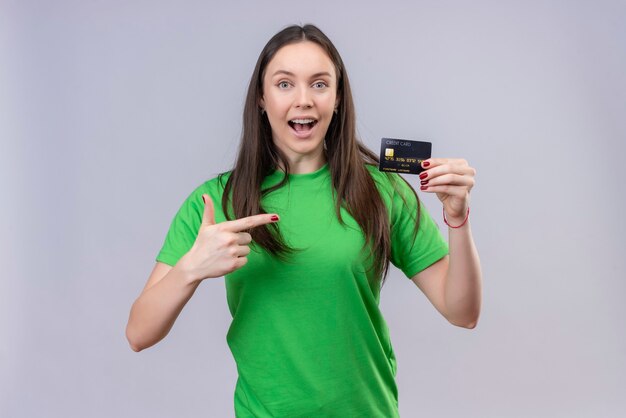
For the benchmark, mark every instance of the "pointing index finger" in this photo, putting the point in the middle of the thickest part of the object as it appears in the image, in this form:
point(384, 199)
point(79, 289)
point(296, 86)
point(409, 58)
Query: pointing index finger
point(249, 222)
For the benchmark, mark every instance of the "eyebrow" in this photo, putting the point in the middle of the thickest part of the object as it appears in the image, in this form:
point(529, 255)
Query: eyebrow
point(289, 73)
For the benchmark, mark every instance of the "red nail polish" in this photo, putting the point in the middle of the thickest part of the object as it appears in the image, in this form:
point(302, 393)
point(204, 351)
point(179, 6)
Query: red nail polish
point(423, 176)
point(426, 164)
point(423, 187)
point(424, 182)
point(274, 218)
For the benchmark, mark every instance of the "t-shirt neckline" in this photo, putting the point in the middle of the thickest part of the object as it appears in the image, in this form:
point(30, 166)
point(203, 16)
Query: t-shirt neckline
point(300, 177)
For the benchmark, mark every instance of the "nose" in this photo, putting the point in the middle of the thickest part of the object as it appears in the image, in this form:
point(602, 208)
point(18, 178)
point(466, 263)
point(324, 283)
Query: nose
point(303, 98)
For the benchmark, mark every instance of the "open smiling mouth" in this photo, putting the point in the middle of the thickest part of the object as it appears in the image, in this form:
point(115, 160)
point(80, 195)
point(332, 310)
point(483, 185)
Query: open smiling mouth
point(302, 125)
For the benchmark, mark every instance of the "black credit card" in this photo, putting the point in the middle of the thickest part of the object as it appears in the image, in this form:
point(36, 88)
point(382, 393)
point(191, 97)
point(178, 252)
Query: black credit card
point(403, 156)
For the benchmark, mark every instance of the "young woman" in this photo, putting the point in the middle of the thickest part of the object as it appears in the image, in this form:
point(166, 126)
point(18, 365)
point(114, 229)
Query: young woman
point(303, 229)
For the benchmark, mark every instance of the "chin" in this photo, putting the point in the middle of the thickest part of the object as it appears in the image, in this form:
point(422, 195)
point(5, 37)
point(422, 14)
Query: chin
point(301, 150)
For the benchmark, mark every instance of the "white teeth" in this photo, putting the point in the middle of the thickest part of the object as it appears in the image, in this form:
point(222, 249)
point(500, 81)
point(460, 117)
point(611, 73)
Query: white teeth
point(302, 121)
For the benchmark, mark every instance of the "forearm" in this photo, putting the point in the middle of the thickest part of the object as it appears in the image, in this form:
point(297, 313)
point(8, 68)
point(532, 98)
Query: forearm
point(153, 314)
point(464, 278)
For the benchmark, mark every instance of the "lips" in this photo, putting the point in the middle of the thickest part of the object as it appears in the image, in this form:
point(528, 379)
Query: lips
point(302, 124)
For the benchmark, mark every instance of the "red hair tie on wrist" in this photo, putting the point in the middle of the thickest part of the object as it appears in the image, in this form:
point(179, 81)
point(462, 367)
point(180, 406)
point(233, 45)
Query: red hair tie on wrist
point(464, 222)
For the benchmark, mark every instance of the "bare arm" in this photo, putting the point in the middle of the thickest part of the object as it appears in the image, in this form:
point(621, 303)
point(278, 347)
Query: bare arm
point(154, 312)
point(453, 284)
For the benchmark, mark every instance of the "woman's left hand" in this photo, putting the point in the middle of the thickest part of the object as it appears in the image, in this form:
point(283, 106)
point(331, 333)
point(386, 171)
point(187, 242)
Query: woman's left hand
point(451, 179)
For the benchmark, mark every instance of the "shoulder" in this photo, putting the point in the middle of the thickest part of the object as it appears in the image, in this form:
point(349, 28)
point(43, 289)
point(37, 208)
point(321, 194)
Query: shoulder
point(192, 207)
point(214, 186)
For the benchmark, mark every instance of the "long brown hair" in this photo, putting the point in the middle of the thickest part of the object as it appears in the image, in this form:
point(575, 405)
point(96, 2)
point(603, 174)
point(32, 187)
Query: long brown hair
point(353, 186)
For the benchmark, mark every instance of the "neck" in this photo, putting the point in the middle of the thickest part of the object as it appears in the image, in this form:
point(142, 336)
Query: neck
point(306, 164)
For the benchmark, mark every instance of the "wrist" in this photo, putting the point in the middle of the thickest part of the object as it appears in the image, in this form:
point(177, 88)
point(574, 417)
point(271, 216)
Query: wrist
point(456, 222)
point(186, 270)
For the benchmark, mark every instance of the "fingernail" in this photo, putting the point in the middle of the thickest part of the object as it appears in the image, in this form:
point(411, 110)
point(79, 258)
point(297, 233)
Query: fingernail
point(425, 164)
point(424, 182)
point(423, 176)
point(274, 218)
point(423, 187)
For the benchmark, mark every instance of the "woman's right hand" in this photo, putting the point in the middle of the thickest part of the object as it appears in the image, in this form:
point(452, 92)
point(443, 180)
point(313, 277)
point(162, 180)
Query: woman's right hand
point(220, 248)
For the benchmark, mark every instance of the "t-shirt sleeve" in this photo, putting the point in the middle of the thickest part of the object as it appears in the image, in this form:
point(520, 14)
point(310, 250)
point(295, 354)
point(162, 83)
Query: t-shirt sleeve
point(408, 254)
point(183, 229)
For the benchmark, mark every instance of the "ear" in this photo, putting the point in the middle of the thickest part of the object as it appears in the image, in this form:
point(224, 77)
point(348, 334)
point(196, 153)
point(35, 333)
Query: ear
point(262, 103)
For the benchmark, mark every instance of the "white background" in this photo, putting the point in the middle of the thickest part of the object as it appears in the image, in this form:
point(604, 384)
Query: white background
point(112, 112)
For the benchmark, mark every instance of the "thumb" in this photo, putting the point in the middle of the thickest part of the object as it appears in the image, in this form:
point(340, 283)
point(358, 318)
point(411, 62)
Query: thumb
point(208, 217)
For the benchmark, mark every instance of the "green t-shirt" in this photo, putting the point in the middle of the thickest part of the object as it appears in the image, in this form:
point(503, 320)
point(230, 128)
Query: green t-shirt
point(307, 335)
